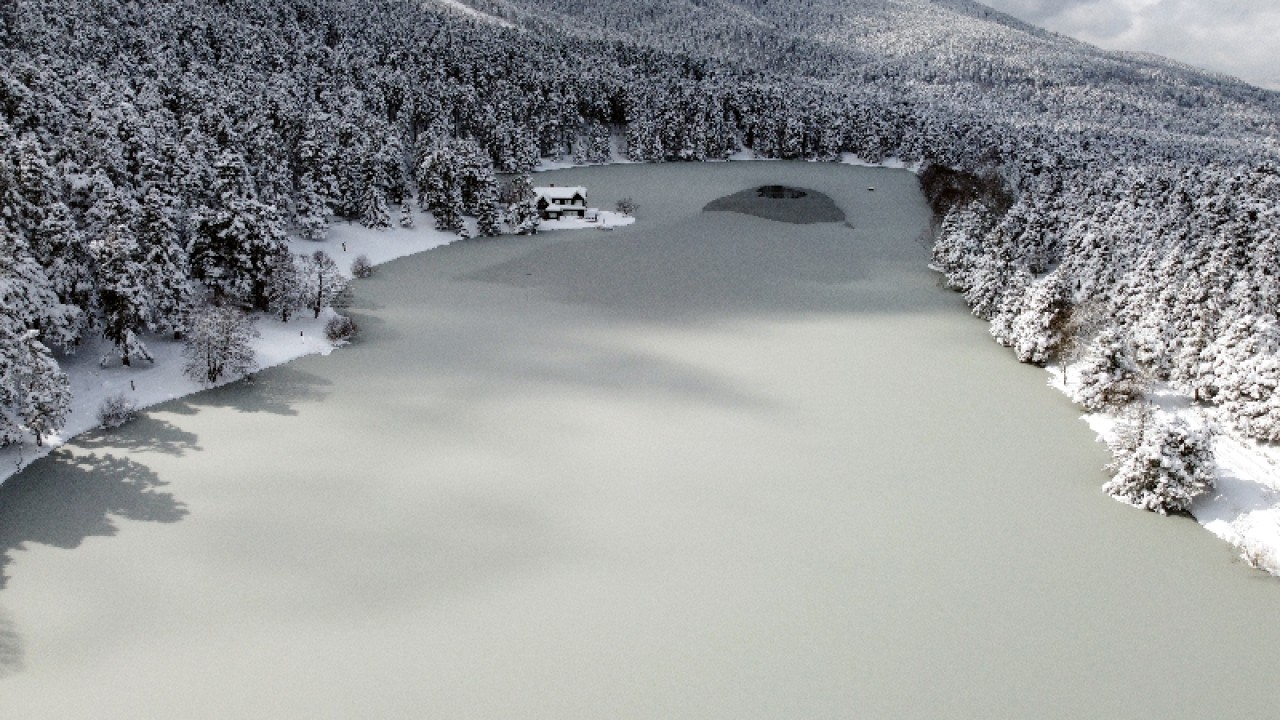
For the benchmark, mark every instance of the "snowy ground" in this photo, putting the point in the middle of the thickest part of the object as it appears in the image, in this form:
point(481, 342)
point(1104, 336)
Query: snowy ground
point(890, 162)
point(1244, 509)
point(606, 221)
point(148, 384)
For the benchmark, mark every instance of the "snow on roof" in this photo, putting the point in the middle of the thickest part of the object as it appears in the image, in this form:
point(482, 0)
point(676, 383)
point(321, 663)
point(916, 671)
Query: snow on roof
point(557, 192)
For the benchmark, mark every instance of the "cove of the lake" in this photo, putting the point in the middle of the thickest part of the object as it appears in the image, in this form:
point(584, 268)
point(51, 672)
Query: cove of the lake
point(706, 466)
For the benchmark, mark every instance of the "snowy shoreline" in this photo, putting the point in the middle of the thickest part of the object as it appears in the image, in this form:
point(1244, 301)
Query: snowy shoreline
point(147, 384)
point(1244, 508)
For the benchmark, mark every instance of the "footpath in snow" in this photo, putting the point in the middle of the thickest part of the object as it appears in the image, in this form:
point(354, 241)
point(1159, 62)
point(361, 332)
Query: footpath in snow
point(147, 384)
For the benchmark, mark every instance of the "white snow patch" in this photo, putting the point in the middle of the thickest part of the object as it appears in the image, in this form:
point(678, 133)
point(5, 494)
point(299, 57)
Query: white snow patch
point(889, 162)
point(347, 241)
point(556, 163)
point(606, 221)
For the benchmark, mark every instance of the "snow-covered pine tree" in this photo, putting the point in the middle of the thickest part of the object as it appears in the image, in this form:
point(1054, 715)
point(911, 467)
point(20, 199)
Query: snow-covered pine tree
point(350, 160)
point(1005, 303)
point(68, 265)
point(479, 187)
point(375, 182)
point(958, 249)
point(27, 184)
point(522, 213)
point(284, 286)
point(1039, 325)
point(373, 207)
point(1252, 400)
point(236, 239)
point(489, 216)
point(1161, 463)
point(27, 298)
point(1108, 376)
point(448, 212)
point(35, 395)
point(122, 292)
point(1240, 370)
point(439, 185)
point(312, 210)
point(165, 265)
point(592, 144)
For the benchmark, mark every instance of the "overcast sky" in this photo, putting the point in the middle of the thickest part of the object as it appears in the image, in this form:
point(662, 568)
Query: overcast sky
point(1237, 37)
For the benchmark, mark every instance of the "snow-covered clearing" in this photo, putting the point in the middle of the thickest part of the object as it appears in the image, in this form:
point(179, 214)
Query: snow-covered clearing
point(606, 220)
point(1244, 508)
point(147, 384)
point(890, 162)
point(471, 12)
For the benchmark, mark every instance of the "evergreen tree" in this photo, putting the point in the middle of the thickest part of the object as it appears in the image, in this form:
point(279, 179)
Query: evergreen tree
point(35, 395)
point(373, 199)
point(312, 210)
point(236, 239)
point(1162, 464)
point(165, 265)
point(522, 212)
point(68, 267)
point(285, 289)
point(1038, 329)
point(27, 298)
point(122, 289)
point(1108, 375)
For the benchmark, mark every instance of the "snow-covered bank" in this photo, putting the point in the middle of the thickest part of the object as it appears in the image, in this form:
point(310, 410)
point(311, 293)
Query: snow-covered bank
point(1244, 508)
point(149, 383)
point(889, 162)
point(146, 384)
point(605, 221)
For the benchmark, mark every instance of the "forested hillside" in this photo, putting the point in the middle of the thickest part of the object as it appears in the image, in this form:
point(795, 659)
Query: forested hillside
point(153, 155)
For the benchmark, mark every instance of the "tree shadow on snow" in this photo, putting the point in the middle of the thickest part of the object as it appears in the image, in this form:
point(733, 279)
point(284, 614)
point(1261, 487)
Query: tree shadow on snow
point(274, 390)
point(143, 434)
point(61, 500)
point(10, 647)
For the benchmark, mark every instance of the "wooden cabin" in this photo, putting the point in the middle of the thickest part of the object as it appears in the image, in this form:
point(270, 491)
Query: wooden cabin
point(555, 202)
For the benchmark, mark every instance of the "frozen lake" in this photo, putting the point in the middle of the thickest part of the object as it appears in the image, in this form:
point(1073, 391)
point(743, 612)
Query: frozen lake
point(708, 466)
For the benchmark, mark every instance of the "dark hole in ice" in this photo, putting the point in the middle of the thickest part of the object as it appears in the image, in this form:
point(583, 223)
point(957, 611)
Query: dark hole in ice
point(780, 192)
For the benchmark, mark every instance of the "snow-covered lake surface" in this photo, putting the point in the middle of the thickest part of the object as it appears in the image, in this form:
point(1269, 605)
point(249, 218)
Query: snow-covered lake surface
point(705, 466)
